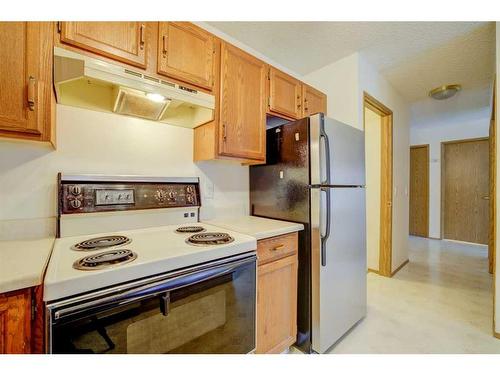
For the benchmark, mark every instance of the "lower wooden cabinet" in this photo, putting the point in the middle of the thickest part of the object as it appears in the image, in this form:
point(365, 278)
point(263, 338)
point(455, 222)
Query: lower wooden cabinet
point(277, 293)
point(15, 322)
point(21, 321)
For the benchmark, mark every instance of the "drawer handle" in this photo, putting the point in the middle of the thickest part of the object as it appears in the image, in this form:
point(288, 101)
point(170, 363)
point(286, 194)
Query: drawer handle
point(279, 247)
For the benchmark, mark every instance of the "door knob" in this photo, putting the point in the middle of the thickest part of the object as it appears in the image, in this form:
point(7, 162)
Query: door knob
point(486, 198)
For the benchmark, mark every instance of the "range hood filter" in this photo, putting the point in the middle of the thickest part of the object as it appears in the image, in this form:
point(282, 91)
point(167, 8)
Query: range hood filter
point(132, 102)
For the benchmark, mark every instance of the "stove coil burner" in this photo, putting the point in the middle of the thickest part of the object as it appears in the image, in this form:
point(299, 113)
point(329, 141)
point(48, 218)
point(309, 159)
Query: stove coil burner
point(101, 243)
point(191, 229)
point(105, 260)
point(211, 238)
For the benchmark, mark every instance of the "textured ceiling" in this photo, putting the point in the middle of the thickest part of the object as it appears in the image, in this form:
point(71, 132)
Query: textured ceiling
point(414, 56)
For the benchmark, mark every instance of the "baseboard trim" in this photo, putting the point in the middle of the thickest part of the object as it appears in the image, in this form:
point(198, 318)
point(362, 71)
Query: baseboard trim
point(496, 334)
point(466, 243)
point(399, 268)
point(373, 271)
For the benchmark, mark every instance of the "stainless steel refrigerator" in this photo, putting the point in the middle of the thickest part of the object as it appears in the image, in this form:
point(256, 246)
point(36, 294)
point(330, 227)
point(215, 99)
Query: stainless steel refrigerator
point(315, 175)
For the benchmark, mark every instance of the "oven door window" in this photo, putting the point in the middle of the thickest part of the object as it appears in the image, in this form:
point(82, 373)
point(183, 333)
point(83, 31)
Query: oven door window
point(212, 316)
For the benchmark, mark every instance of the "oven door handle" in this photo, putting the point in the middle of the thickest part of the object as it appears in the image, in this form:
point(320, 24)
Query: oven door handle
point(158, 288)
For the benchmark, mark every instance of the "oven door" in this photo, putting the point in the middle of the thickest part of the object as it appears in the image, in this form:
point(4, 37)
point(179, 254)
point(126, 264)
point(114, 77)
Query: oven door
point(205, 310)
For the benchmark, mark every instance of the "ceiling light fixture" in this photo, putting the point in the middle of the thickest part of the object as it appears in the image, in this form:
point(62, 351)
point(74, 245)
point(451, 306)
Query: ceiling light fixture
point(444, 92)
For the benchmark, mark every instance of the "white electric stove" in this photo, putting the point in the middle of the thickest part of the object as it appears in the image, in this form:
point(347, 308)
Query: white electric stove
point(131, 261)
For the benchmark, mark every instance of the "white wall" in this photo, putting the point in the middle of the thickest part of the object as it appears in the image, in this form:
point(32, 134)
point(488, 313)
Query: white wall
point(340, 81)
point(102, 143)
point(344, 82)
point(435, 131)
point(373, 147)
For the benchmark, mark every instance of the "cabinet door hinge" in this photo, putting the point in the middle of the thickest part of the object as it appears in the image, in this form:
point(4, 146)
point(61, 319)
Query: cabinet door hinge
point(59, 26)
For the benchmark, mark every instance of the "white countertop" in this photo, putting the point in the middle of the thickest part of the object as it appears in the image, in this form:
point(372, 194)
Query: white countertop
point(257, 227)
point(22, 263)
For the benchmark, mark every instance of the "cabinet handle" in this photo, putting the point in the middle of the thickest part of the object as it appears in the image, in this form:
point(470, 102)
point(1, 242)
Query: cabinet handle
point(224, 134)
point(279, 247)
point(141, 39)
point(164, 45)
point(31, 93)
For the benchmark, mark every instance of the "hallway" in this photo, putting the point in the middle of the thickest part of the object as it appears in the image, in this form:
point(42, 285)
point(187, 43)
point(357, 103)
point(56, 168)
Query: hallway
point(441, 302)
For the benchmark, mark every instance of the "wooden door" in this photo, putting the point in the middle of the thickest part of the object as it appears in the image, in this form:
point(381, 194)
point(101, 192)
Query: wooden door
point(21, 59)
point(242, 128)
point(277, 305)
point(314, 101)
point(186, 52)
point(123, 41)
point(466, 191)
point(285, 94)
point(419, 191)
point(15, 321)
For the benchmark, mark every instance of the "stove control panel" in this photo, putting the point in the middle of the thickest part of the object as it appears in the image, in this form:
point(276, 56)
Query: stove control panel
point(85, 197)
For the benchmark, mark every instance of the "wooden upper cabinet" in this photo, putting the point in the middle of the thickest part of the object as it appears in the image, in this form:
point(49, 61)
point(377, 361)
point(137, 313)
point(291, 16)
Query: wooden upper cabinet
point(285, 94)
point(242, 127)
point(122, 41)
point(186, 52)
point(26, 80)
point(314, 101)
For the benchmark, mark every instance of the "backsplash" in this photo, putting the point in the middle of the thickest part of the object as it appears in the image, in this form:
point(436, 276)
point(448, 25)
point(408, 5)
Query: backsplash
point(90, 142)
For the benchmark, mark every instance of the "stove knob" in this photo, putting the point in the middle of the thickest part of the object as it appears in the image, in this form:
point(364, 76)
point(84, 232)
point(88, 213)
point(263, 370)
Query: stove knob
point(189, 198)
point(189, 189)
point(75, 203)
point(75, 190)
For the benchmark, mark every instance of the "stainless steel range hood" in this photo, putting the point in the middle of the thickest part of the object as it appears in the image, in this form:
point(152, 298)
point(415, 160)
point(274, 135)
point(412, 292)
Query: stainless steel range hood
point(82, 81)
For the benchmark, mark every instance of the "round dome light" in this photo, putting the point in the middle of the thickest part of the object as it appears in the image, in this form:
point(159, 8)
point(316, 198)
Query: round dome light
point(444, 92)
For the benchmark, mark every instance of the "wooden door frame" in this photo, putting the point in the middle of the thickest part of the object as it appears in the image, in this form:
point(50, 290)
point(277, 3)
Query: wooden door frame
point(443, 144)
point(427, 147)
point(386, 181)
point(493, 199)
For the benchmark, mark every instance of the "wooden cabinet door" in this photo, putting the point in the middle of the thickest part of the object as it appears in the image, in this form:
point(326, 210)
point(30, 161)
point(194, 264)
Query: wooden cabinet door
point(242, 128)
point(285, 94)
point(22, 57)
point(186, 52)
point(277, 305)
point(314, 101)
point(123, 41)
point(15, 322)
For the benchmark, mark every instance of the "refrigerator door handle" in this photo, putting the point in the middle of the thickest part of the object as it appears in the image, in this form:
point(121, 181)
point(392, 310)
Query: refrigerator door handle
point(326, 142)
point(324, 237)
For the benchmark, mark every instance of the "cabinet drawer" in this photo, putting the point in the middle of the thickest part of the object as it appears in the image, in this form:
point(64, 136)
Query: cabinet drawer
point(278, 247)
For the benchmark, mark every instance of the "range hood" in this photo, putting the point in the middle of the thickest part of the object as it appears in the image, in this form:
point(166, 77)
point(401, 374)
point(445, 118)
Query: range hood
point(82, 81)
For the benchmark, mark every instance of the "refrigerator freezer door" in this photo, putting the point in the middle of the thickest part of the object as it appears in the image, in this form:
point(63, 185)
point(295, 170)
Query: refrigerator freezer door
point(339, 274)
point(337, 153)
